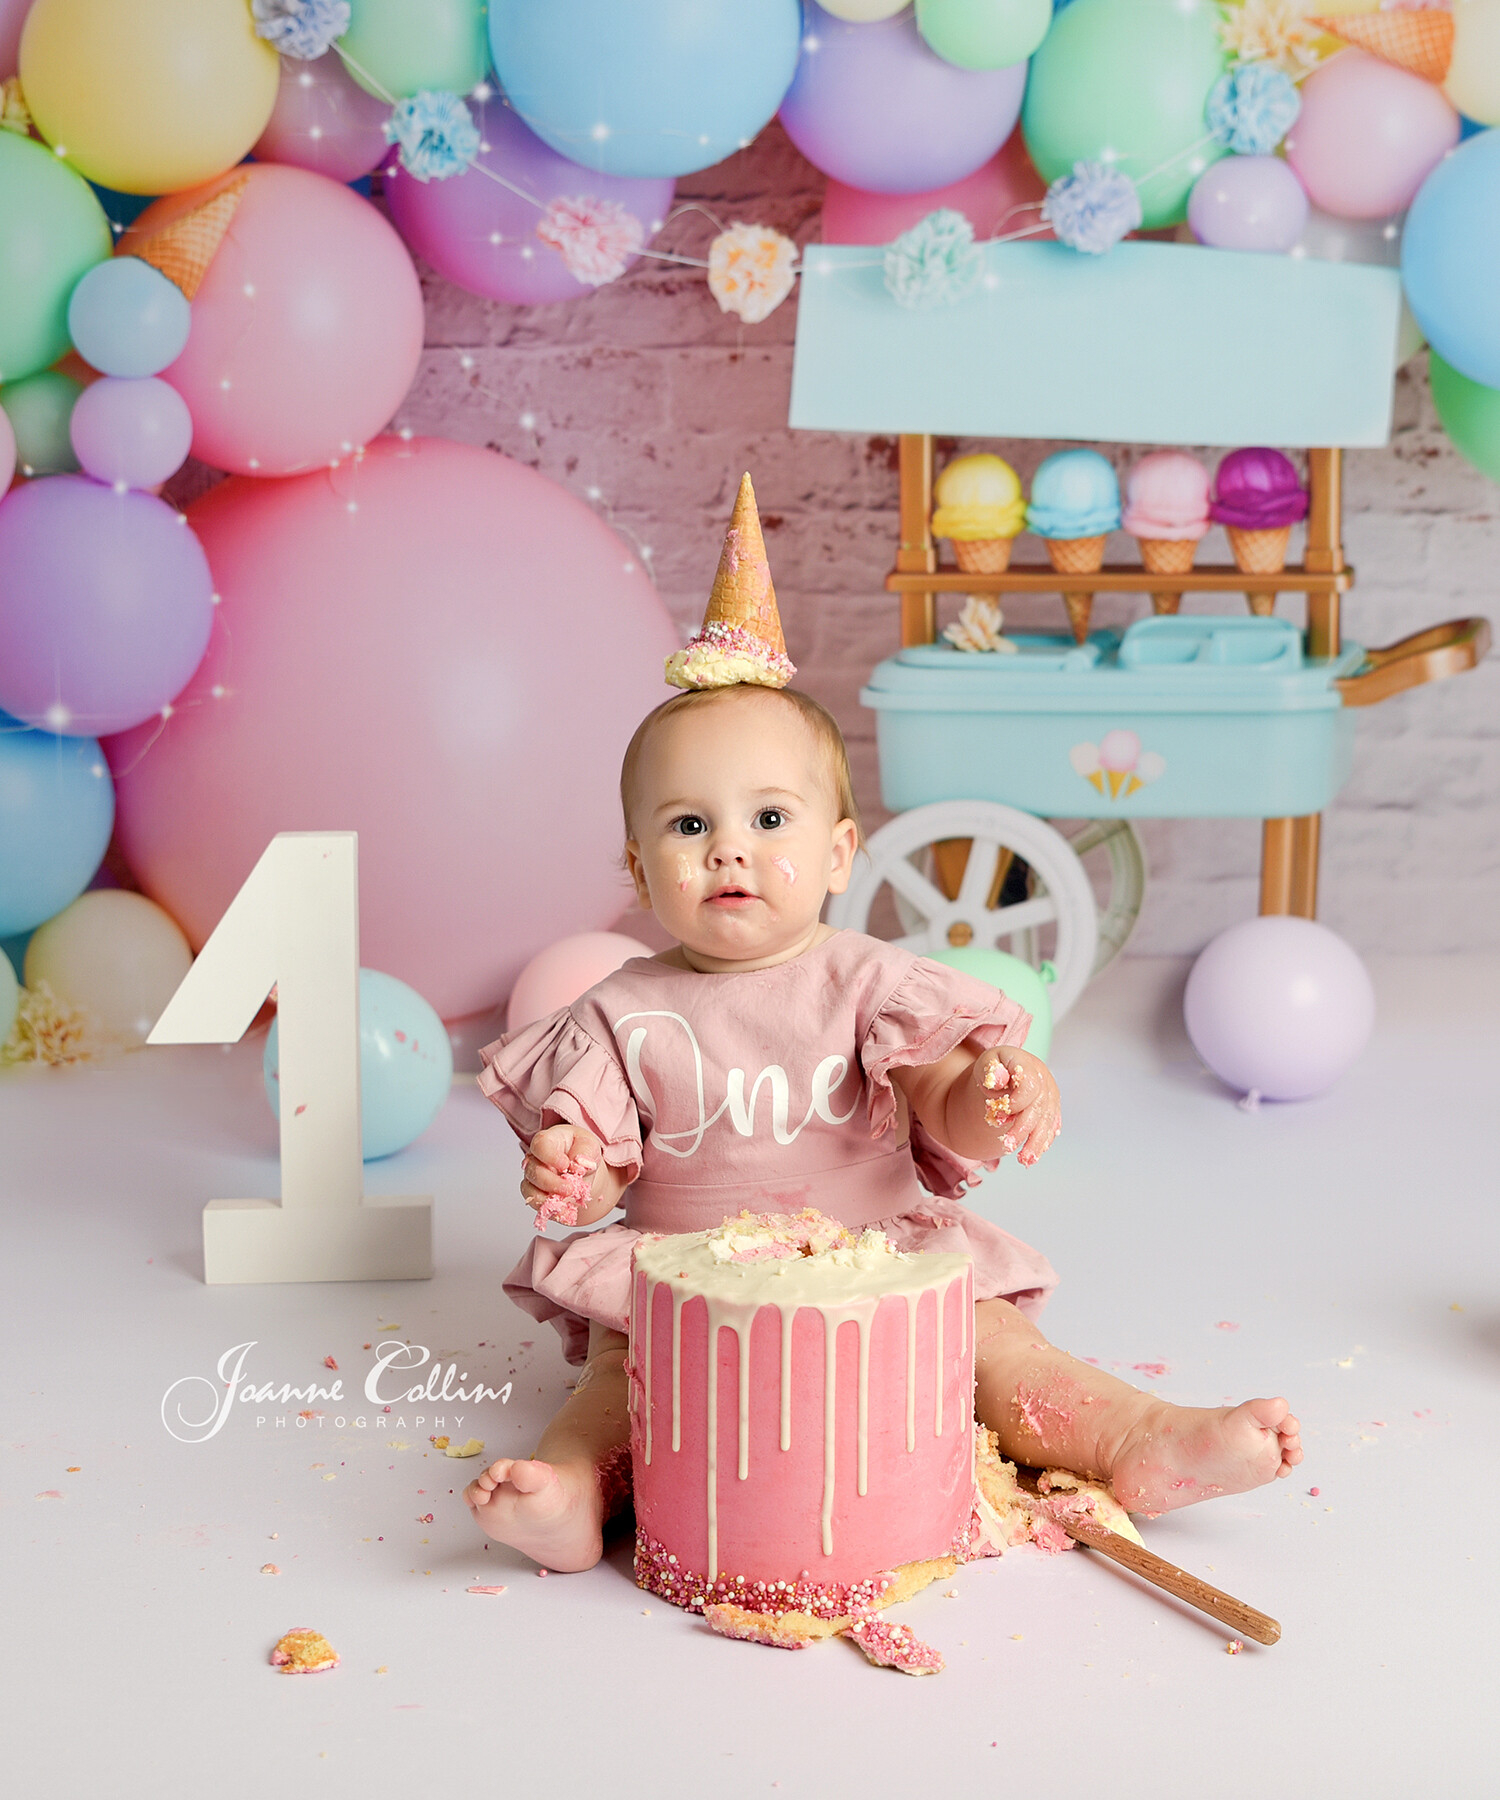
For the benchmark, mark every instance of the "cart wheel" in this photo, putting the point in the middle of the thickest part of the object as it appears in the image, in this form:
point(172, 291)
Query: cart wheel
point(1127, 881)
point(902, 856)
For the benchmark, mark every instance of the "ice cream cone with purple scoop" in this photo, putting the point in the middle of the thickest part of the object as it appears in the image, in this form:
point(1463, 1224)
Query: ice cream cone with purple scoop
point(1258, 498)
point(1166, 511)
point(1075, 504)
point(980, 509)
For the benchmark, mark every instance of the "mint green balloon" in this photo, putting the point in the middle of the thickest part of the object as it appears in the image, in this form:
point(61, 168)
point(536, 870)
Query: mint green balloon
point(1470, 415)
point(401, 47)
point(52, 229)
point(40, 409)
point(1125, 82)
point(1015, 979)
point(983, 34)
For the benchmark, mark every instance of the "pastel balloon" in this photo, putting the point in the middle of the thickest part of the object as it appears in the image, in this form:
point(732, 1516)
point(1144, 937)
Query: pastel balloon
point(405, 1065)
point(1369, 134)
point(1450, 259)
point(126, 318)
point(52, 230)
point(396, 48)
point(645, 90)
point(1015, 979)
point(1470, 415)
point(7, 450)
point(12, 18)
point(1473, 83)
point(307, 328)
point(874, 108)
point(57, 808)
point(402, 635)
point(1127, 85)
point(1248, 203)
point(557, 976)
point(989, 199)
point(148, 98)
point(38, 410)
point(324, 120)
point(865, 12)
point(983, 34)
point(105, 605)
point(1279, 1007)
point(116, 955)
point(10, 996)
point(132, 433)
point(482, 234)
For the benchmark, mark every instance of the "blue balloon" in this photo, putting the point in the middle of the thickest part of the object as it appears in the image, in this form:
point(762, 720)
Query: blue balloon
point(658, 89)
point(405, 1065)
point(57, 809)
point(126, 318)
point(1450, 258)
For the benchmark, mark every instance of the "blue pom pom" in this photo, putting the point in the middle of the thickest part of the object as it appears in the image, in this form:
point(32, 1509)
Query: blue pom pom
point(300, 28)
point(1092, 208)
point(1252, 108)
point(436, 132)
point(934, 263)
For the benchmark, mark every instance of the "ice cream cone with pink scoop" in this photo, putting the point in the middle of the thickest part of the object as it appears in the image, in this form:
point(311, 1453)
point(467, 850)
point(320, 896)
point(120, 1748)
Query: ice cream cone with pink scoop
point(1166, 511)
point(1258, 498)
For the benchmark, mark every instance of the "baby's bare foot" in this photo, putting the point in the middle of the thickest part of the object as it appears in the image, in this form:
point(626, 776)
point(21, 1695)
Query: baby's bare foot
point(1175, 1455)
point(552, 1512)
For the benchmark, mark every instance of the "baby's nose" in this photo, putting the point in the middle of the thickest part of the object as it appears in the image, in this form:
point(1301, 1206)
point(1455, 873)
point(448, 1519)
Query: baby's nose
point(726, 850)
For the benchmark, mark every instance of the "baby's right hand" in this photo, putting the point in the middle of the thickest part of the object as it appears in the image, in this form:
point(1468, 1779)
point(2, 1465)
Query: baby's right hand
point(553, 1156)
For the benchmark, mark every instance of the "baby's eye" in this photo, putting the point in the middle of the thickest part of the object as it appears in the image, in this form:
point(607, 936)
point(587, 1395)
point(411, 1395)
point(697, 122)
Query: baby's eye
point(690, 825)
point(770, 818)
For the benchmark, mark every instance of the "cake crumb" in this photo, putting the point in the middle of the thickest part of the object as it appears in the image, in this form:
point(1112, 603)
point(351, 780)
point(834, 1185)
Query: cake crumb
point(473, 1447)
point(303, 1651)
point(480, 1589)
point(269, 1569)
point(1234, 1647)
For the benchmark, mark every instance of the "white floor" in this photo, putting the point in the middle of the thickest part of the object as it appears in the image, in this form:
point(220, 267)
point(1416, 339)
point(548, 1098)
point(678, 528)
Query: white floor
point(1352, 1243)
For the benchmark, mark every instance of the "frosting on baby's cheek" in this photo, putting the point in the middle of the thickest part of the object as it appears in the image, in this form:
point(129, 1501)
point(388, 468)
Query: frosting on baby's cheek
point(786, 868)
point(684, 873)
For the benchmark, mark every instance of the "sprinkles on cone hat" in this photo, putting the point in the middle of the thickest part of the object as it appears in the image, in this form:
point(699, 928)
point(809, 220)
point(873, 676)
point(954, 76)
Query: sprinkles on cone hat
point(741, 640)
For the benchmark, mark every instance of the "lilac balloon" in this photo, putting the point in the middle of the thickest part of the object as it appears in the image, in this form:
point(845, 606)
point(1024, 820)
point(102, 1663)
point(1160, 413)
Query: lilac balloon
point(1279, 1007)
point(873, 107)
point(324, 120)
point(1248, 203)
point(106, 604)
point(131, 433)
point(482, 235)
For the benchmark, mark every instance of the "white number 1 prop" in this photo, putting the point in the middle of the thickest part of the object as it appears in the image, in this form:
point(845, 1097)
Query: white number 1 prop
point(294, 926)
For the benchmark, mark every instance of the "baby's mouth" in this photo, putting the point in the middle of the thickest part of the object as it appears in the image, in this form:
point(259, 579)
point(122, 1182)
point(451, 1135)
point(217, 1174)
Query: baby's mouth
point(731, 897)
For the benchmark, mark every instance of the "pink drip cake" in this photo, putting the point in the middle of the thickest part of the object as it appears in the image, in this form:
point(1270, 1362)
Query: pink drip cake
point(801, 1415)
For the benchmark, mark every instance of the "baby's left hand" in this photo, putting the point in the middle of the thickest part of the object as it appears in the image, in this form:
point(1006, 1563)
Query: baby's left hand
point(1021, 1102)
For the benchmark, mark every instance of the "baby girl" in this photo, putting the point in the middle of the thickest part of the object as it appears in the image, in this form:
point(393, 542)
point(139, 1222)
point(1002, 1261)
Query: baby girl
point(770, 1061)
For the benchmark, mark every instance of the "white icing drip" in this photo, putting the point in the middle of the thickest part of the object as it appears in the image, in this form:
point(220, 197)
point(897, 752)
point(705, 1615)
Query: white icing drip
point(788, 1319)
point(866, 1317)
point(650, 1410)
point(831, 1323)
point(712, 1445)
point(742, 1331)
point(677, 1305)
point(912, 1302)
point(937, 1424)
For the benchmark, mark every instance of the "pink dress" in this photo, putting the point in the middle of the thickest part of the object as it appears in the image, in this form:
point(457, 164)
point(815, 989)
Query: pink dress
point(764, 1088)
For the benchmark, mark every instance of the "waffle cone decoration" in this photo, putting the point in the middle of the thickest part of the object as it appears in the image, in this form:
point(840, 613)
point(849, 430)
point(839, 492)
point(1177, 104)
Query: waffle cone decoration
point(184, 249)
point(1167, 556)
point(982, 556)
point(1421, 42)
point(1260, 553)
point(1077, 556)
point(741, 637)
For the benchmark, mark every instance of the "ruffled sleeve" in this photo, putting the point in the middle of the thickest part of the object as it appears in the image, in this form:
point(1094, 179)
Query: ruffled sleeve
point(554, 1072)
point(930, 1011)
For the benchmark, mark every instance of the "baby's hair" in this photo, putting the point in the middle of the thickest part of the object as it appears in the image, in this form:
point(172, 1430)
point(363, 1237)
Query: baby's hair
point(817, 718)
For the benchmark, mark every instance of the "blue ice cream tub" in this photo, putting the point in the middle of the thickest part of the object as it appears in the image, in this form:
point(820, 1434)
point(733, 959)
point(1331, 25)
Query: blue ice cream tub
point(1178, 717)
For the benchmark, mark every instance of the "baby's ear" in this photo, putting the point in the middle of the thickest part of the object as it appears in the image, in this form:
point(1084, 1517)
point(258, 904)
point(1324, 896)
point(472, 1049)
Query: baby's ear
point(845, 843)
point(637, 872)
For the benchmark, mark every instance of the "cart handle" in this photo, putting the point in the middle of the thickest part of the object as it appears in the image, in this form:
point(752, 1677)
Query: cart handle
point(1431, 655)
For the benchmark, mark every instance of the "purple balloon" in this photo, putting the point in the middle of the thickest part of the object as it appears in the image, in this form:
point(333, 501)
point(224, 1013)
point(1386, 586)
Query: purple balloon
point(1248, 203)
point(324, 120)
point(131, 433)
point(1279, 1007)
point(482, 235)
point(106, 604)
point(873, 107)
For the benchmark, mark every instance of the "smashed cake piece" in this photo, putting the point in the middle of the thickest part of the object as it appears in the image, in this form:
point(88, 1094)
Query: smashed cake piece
point(784, 1631)
point(472, 1447)
point(1070, 1494)
point(891, 1646)
point(910, 1578)
point(303, 1651)
point(563, 1208)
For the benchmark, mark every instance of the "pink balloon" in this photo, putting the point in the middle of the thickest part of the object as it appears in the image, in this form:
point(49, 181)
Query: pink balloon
point(1007, 180)
point(556, 976)
point(1369, 134)
point(324, 120)
point(12, 18)
point(306, 330)
point(438, 648)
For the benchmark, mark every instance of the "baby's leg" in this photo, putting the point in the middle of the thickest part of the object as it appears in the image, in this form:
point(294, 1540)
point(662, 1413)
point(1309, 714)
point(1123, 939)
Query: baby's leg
point(554, 1506)
point(1049, 1409)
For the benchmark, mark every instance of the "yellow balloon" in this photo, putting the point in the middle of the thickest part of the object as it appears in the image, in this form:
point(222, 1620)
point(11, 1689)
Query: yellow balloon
point(117, 955)
point(1473, 83)
point(150, 97)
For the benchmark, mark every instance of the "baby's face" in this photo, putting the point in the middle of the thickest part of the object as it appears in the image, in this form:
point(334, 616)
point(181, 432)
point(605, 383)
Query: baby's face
point(737, 840)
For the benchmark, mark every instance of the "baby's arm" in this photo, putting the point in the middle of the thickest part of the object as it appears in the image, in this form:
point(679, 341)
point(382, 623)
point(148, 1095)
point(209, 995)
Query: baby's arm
point(984, 1103)
point(550, 1161)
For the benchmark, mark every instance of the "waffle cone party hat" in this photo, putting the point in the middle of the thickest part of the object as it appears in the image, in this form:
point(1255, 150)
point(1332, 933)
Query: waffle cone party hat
point(741, 637)
point(1421, 42)
point(184, 249)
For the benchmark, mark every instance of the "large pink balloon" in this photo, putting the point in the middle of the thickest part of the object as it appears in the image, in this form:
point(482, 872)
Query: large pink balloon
point(557, 976)
point(987, 199)
point(1369, 134)
point(306, 330)
point(324, 120)
point(438, 648)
